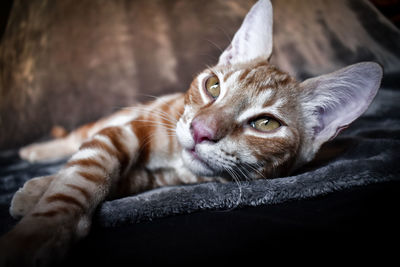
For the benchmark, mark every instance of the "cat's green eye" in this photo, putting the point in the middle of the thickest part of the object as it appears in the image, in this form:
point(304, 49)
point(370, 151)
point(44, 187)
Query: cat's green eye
point(265, 124)
point(212, 86)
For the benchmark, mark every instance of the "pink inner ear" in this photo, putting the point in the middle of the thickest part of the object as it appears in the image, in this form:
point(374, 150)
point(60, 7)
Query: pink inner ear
point(345, 106)
point(337, 99)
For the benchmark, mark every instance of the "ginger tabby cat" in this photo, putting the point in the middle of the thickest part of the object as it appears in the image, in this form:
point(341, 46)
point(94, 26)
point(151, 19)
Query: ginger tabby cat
point(240, 119)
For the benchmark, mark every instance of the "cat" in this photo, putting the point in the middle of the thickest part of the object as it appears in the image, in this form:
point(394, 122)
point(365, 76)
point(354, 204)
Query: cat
point(240, 119)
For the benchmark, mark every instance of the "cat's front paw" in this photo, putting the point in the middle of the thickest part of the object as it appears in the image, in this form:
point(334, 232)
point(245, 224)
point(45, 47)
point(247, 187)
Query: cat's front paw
point(28, 196)
point(34, 243)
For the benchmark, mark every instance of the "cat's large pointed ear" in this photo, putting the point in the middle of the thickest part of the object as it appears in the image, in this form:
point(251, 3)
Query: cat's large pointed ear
point(331, 102)
point(253, 39)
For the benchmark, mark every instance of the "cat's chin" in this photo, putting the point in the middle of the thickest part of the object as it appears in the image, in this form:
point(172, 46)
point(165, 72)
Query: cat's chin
point(195, 164)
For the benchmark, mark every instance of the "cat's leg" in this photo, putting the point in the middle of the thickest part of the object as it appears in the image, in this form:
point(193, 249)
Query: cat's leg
point(63, 213)
point(28, 196)
point(68, 145)
point(51, 150)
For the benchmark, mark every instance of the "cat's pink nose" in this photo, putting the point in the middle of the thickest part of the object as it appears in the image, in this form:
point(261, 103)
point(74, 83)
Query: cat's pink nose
point(203, 131)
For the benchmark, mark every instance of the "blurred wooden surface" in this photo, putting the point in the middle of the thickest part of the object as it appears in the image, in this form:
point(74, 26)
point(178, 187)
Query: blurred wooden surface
point(70, 62)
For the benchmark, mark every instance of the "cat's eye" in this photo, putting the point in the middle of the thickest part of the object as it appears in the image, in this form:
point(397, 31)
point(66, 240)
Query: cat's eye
point(265, 124)
point(212, 86)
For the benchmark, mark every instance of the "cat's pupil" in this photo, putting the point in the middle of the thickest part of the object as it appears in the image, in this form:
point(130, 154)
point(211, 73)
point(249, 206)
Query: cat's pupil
point(214, 90)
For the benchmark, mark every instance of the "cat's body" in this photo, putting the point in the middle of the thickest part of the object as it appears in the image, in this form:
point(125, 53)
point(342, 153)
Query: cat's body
point(241, 119)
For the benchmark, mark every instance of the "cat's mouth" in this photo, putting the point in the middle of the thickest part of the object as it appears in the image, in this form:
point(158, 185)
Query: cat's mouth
point(196, 164)
point(195, 155)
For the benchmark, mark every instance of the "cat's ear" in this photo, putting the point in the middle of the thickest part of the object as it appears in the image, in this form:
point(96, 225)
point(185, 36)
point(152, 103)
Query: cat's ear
point(253, 39)
point(331, 102)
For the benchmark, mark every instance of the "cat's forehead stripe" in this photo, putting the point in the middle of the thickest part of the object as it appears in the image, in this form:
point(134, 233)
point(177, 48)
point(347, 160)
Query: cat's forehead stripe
point(227, 75)
point(259, 109)
point(231, 74)
point(250, 71)
point(263, 97)
point(226, 87)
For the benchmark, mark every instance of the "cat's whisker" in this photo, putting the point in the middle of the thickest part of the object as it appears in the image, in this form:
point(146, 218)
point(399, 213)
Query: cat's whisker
point(155, 123)
point(231, 174)
point(234, 176)
point(214, 44)
point(255, 169)
point(258, 165)
point(209, 58)
point(229, 38)
point(248, 172)
point(239, 183)
point(162, 101)
point(167, 130)
point(157, 113)
point(147, 108)
point(149, 139)
point(243, 174)
point(170, 132)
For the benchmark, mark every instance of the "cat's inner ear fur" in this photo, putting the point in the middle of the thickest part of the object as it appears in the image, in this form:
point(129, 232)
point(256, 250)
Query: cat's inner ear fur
point(253, 39)
point(331, 102)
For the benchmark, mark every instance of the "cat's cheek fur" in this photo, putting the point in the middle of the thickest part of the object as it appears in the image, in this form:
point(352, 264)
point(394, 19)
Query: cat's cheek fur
point(184, 135)
point(196, 166)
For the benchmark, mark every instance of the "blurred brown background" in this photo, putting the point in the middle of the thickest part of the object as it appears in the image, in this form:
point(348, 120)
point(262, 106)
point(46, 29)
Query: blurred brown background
point(70, 62)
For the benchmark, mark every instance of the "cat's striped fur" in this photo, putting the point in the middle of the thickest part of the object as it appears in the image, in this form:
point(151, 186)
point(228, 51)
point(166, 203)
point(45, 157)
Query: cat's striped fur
point(187, 138)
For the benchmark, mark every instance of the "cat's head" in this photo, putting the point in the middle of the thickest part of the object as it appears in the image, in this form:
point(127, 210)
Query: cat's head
point(245, 118)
